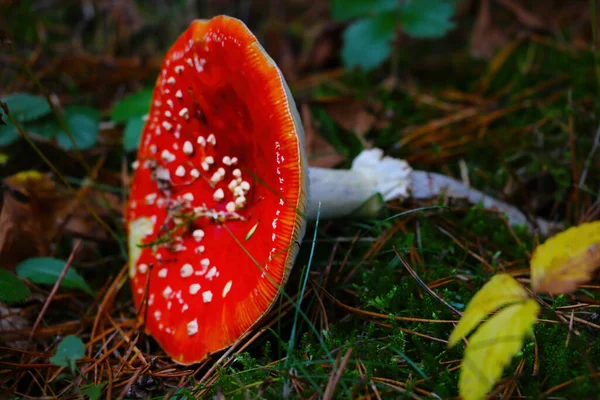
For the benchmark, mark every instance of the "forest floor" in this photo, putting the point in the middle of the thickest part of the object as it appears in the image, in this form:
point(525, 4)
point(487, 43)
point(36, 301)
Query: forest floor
point(508, 102)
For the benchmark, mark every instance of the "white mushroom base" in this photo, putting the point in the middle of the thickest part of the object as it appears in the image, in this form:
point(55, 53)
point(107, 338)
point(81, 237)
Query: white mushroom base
point(350, 192)
point(355, 191)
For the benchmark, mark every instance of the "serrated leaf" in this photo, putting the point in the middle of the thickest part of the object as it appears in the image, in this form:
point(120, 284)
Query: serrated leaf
point(12, 289)
point(132, 133)
point(83, 124)
point(499, 291)
point(493, 346)
point(70, 350)
point(566, 260)
point(46, 270)
point(25, 107)
point(367, 42)
point(134, 105)
point(427, 18)
point(8, 134)
point(343, 10)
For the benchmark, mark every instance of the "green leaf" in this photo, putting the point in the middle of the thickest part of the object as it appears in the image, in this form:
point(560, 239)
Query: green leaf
point(133, 131)
point(367, 42)
point(26, 107)
point(69, 350)
point(8, 134)
point(93, 391)
point(427, 18)
point(46, 270)
point(134, 105)
point(12, 290)
point(83, 124)
point(46, 127)
point(342, 10)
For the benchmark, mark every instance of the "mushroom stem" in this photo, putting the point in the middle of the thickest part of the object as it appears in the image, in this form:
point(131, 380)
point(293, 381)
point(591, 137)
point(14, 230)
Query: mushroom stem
point(340, 193)
point(361, 190)
point(427, 185)
point(355, 191)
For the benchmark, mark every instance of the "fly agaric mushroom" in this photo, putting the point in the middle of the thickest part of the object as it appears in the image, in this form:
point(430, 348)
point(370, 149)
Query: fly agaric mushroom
point(217, 201)
point(218, 198)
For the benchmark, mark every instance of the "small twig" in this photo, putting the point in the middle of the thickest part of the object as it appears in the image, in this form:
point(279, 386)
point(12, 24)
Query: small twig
point(464, 172)
point(335, 377)
point(589, 158)
point(575, 189)
point(108, 300)
point(536, 356)
point(139, 371)
point(132, 347)
point(423, 284)
point(570, 328)
point(467, 249)
point(373, 314)
point(62, 275)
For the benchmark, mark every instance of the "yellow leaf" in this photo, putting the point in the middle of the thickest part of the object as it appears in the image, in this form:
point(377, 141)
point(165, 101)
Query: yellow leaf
point(499, 291)
point(138, 230)
point(566, 260)
point(491, 348)
point(21, 177)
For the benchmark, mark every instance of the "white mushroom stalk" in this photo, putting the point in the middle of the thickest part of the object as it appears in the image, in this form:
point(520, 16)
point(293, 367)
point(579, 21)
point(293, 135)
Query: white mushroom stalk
point(354, 192)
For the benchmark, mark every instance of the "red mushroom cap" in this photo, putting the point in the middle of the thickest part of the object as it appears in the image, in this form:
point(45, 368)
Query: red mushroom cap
point(219, 190)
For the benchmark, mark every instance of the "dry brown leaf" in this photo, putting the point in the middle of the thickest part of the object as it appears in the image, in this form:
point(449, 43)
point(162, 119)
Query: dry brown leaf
point(11, 319)
point(36, 210)
point(351, 115)
point(28, 216)
point(485, 37)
